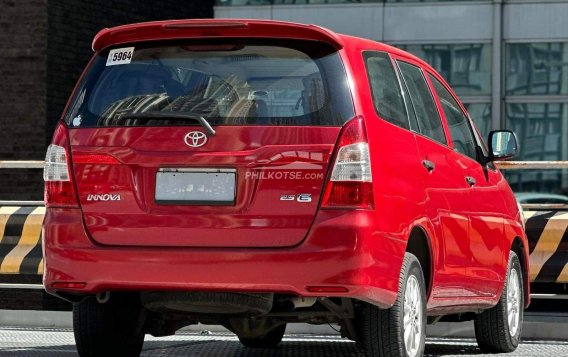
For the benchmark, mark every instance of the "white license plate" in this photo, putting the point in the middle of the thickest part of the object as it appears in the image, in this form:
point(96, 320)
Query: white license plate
point(195, 186)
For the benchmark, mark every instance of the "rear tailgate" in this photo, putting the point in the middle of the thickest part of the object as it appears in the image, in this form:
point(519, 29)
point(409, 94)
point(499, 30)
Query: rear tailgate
point(274, 167)
point(276, 108)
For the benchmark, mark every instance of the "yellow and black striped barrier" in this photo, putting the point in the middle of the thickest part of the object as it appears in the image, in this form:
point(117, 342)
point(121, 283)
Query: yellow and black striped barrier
point(20, 239)
point(21, 251)
point(547, 232)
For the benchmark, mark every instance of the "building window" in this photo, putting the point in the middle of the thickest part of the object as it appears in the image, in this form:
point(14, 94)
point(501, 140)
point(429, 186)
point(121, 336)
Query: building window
point(536, 96)
point(542, 130)
point(537, 68)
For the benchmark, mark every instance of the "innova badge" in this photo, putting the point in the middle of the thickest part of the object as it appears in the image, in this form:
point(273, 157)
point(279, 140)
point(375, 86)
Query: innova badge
point(195, 139)
point(103, 197)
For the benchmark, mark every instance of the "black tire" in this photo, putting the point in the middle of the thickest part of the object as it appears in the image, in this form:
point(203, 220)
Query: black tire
point(108, 329)
point(270, 340)
point(381, 331)
point(492, 329)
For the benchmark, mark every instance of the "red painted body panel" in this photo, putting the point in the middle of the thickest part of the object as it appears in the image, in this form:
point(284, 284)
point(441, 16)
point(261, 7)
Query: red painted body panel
point(271, 161)
point(211, 28)
point(470, 231)
point(341, 250)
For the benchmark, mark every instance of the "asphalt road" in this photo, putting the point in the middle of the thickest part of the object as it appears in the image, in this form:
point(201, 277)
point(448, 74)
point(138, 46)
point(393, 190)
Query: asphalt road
point(31, 342)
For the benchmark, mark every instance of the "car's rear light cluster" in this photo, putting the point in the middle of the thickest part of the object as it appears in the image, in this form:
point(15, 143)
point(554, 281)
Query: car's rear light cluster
point(59, 189)
point(351, 183)
point(55, 168)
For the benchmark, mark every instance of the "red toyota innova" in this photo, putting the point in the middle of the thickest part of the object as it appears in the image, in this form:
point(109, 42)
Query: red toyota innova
point(257, 173)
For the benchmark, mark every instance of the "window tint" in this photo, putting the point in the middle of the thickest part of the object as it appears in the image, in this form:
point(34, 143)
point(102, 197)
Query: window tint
point(385, 89)
point(465, 66)
point(460, 129)
point(429, 121)
point(226, 81)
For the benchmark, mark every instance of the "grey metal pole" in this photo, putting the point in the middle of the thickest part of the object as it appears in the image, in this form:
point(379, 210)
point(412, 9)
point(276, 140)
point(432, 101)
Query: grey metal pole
point(496, 74)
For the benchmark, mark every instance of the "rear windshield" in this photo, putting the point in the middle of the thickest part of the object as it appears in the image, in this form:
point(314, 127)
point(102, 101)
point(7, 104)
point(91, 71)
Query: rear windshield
point(235, 82)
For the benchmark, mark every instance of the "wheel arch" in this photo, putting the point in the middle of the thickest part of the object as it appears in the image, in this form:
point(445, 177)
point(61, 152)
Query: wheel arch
point(520, 249)
point(419, 245)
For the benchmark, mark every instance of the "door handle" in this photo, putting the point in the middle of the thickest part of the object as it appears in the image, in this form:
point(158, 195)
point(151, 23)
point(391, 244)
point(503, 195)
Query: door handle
point(470, 180)
point(429, 165)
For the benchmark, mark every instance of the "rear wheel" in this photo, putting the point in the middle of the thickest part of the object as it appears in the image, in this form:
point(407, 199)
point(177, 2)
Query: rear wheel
point(270, 340)
point(498, 329)
point(400, 330)
point(109, 329)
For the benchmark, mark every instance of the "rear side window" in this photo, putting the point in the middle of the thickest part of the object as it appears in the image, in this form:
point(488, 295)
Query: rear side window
point(460, 129)
point(385, 88)
point(228, 82)
point(429, 121)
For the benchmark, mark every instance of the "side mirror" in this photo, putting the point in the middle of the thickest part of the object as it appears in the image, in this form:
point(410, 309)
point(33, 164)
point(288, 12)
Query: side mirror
point(502, 145)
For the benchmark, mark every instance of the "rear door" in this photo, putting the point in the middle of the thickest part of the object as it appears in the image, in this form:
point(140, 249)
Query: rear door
point(446, 189)
point(399, 194)
point(151, 172)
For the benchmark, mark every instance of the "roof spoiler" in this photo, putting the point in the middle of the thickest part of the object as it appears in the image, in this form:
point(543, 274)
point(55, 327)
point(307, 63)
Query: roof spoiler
point(212, 28)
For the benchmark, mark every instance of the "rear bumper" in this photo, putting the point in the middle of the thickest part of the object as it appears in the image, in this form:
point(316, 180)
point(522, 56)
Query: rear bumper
point(341, 252)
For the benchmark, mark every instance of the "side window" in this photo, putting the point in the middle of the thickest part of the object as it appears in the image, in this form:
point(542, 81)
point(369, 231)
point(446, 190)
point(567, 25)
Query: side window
point(460, 128)
point(427, 115)
point(385, 88)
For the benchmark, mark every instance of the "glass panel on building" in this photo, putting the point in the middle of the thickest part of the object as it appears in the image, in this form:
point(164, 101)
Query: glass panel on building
point(542, 130)
point(537, 68)
point(466, 67)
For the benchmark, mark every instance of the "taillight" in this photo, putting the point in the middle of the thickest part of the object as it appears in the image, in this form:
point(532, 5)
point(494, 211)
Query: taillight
point(351, 182)
point(55, 168)
point(59, 189)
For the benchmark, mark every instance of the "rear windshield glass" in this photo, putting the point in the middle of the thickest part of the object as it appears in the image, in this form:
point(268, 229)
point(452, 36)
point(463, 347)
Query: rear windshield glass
point(236, 82)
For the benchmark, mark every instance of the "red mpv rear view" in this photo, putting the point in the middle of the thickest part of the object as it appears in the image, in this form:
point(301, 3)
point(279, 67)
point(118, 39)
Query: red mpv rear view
point(257, 173)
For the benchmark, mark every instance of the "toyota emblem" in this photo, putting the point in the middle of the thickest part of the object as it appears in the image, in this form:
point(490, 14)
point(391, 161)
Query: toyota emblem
point(195, 139)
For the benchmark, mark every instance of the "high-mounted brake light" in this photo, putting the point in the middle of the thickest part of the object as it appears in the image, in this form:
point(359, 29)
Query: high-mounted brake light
point(59, 189)
point(351, 183)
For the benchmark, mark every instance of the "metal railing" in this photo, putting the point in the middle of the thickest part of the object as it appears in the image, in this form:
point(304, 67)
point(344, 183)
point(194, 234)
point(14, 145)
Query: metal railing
point(29, 164)
point(536, 165)
point(531, 165)
point(21, 164)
